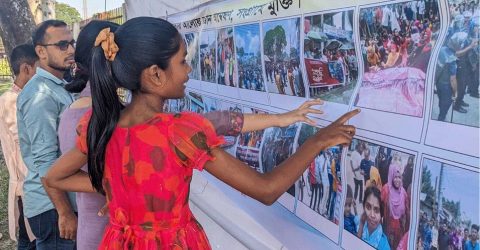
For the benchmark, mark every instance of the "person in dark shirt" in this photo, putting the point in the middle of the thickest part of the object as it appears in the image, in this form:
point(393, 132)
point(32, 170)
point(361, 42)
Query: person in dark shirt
point(365, 165)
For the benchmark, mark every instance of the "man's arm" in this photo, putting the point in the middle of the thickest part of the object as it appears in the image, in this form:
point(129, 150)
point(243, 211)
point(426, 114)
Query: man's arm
point(41, 113)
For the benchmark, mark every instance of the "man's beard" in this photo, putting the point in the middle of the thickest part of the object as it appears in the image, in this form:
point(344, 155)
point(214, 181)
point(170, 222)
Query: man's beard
point(59, 68)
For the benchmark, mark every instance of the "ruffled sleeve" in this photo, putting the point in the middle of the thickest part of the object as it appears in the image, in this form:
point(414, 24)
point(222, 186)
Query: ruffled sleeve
point(192, 138)
point(82, 127)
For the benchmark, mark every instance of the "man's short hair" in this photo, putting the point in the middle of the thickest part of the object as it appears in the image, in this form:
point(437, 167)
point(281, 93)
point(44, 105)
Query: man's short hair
point(38, 37)
point(24, 53)
point(475, 226)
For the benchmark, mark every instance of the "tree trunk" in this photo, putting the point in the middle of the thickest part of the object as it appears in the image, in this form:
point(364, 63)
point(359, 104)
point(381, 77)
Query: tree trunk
point(16, 23)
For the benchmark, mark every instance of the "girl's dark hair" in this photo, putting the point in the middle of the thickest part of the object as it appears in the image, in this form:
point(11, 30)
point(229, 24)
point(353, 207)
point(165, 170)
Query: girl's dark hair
point(373, 190)
point(142, 42)
point(83, 53)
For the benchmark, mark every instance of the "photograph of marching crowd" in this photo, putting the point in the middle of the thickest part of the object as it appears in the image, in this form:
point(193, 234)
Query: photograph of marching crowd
point(377, 205)
point(329, 54)
point(320, 187)
point(277, 146)
point(227, 67)
point(449, 213)
point(248, 147)
point(281, 48)
point(208, 55)
point(249, 57)
point(457, 70)
point(397, 41)
point(191, 40)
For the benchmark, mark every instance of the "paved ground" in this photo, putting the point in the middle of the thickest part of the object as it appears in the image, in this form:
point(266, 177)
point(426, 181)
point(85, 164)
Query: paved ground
point(471, 118)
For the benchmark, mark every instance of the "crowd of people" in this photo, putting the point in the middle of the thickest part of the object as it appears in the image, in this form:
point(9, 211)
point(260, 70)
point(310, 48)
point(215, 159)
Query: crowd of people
point(398, 35)
point(250, 73)
point(207, 65)
point(383, 219)
point(80, 150)
point(285, 75)
point(445, 235)
point(227, 68)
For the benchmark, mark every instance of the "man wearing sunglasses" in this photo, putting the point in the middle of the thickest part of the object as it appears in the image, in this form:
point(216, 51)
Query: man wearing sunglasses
point(51, 213)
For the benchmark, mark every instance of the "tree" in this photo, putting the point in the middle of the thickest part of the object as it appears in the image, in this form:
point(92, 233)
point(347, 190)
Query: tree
point(274, 42)
point(67, 13)
point(16, 23)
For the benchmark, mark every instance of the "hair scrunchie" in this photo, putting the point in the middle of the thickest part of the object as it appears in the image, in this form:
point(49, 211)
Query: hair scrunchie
point(106, 39)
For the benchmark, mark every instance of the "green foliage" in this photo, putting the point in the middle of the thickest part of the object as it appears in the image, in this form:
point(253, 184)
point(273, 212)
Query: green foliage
point(67, 13)
point(274, 42)
point(426, 186)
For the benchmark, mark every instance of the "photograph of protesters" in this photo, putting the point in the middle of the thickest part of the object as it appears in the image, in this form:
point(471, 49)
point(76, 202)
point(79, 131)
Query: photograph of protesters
point(449, 207)
point(330, 59)
point(208, 55)
point(247, 42)
point(276, 147)
point(281, 48)
point(366, 167)
point(248, 148)
point(457, 70)
point(397, 41)
point(227, 66)
point(320, 186)
point(191, 40)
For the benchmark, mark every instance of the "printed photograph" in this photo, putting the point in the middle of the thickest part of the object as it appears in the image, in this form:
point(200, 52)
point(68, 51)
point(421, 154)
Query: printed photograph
point(378, 194)
point(449, 213)
point(196, 102)
point(320, 187)
point(248, 148)
point(208, 55)
point(227, 67)
point(456, 87)
point(247, 42)
point(397, 41)
point(281, 48)
point(329, 55)
point(277, 146)
point(191, 40)
point(210, 104)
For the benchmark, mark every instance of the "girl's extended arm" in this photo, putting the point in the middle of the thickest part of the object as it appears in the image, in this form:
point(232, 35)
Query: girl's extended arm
point(254, 122)
point(267, 187)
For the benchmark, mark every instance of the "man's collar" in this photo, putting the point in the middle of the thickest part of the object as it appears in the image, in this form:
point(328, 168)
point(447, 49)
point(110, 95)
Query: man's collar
point(50, 76)
point(16, 89)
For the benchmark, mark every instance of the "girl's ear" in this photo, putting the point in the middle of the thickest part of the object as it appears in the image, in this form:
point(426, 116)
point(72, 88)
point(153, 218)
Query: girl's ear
point(156, 75)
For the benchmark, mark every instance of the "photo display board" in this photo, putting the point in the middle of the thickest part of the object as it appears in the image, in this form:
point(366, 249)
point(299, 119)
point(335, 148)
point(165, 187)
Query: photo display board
point(410, 178)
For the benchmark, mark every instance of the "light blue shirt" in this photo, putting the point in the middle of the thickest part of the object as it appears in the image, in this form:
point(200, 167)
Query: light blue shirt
point(469, 245)
point(39, 107)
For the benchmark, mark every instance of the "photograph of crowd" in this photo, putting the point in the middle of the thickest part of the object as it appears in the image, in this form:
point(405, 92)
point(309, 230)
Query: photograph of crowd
point(247, 42)
point(330, 59)
point(397, 41)
point(230, 141)
point(449, 213)
point(191, 40)
point(320, 186)
point(276, 147)
point(196, 102)
point(248, 147)
point(227, 66)
point(208, 55)
point(378, 197)
point(457, 70)
point(281, 48)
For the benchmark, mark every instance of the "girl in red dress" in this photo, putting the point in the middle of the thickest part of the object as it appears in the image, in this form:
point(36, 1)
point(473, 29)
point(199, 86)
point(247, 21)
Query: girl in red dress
point(142, 159)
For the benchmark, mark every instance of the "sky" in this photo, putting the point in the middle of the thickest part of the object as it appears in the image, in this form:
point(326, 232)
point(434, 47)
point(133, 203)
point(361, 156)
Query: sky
point(93, 6)
point(458, 185)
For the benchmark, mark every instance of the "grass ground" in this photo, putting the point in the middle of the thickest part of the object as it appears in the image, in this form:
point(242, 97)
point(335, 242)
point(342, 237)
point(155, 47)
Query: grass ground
point(5, 242)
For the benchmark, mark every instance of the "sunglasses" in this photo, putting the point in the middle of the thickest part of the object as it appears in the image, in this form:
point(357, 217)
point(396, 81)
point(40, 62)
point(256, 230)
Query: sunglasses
point(62, 45)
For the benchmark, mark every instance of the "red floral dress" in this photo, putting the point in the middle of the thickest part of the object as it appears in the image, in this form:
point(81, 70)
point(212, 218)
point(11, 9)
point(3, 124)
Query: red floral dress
point(148, 169)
